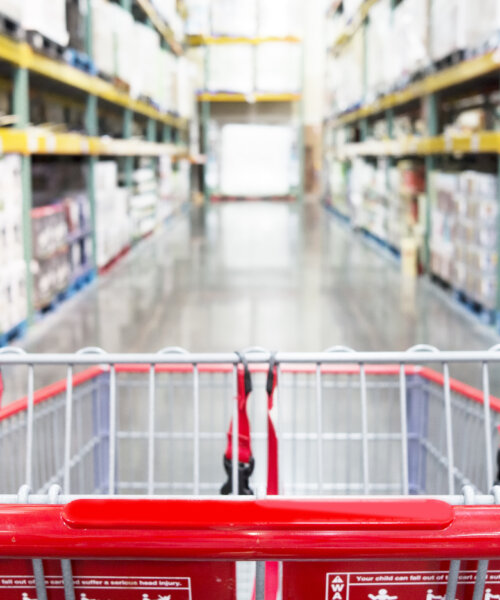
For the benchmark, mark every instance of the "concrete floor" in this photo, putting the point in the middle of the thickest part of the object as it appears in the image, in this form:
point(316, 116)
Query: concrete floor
point(258, 274)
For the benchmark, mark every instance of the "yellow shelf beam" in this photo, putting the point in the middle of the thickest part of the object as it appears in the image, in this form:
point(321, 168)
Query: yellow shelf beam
point(461, 73)
point(22, 55)
point(248, 98)
point(160, 25)
point(37, 141)
point(485, 142)
point(354, 25)
point(200, 40)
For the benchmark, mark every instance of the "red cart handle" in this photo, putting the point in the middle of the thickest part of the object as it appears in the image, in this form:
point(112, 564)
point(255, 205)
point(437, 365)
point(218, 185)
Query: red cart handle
point(270, 514)
point(270, 529)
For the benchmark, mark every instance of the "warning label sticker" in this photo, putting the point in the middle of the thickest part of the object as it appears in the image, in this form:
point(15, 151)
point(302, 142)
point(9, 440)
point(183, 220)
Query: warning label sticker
point(105, 588)
point(121, 580)
point(404, 586)
point(413, 580)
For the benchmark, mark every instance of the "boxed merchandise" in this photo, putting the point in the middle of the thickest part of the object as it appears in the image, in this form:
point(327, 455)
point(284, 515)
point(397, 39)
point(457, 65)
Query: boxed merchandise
point(234, 18)
point(185, 88)
point(50, 266)
point(166, 205)
point(464, 233)
point(12, 9)
point(337, 186)
point(11, 224)
point(256, 160)
point(181, 183)
point(49, 231)
point(113, 230)
point(143, 202)
point(278, 67)
point(144, 64)
point(47, 17)
point(170, 79)
point(477, 27)
point(102, 36)
point(123, 32)
point(279, 18)
point(348, 81)
point(444, 29)
point(230, 68)
point(12, 295)
point(78, 219)
point(198, 22)
point(411, 26)
point(106, 175)
point(379, 40)
point(147, 45)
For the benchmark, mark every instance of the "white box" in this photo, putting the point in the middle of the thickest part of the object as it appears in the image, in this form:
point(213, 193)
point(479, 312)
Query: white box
point(48, 17)
point(278, 67)
point(230, 68)
point(123, 37)
point(234, 17)
point(256, 160)
point(106, 175)
point(198, 22)
point(103, 36)
point(280, 18)
point(13, 9)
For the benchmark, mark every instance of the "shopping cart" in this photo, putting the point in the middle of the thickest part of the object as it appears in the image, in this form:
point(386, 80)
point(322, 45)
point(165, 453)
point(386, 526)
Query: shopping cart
point(367, 475)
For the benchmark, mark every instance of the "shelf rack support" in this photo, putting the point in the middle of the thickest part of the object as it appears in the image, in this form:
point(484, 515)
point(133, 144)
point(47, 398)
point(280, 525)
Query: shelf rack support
point(205, 120)
point(128, 121)
point(432, 128)
point(92, 129)
point(20, 103)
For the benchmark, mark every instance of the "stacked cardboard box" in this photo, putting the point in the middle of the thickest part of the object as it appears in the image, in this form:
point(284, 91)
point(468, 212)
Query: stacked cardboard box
point(143, 205)
point(12, 263)
point(348, 81)
point(464, 233)
point(51, 266)
point(277, 67)
point(422, 31)
point(78, 218)
point(458, 25)
point(234, 17)
point(385, 200)
point(113, 227)
point(181, 183)
point(279, 18)
point(47, 17)
point(230, 68)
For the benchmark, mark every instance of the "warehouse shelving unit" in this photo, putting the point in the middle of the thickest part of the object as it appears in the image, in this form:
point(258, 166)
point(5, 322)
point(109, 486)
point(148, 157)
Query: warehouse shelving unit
point(206, 98)
point(24, 69)
point(348, 132)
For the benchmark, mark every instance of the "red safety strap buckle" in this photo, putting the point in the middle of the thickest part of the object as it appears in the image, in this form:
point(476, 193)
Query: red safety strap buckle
point(246, 462)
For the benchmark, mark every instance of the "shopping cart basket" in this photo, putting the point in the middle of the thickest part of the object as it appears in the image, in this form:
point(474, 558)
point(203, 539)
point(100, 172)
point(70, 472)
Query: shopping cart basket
point(110, 478)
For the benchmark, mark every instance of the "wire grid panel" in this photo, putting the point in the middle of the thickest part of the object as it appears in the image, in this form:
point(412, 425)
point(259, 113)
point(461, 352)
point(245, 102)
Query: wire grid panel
point(176, 444)
point(342, 430)
point(377, 433)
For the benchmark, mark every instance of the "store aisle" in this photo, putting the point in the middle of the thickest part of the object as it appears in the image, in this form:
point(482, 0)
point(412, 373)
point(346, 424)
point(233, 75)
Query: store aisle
point(258, 274)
